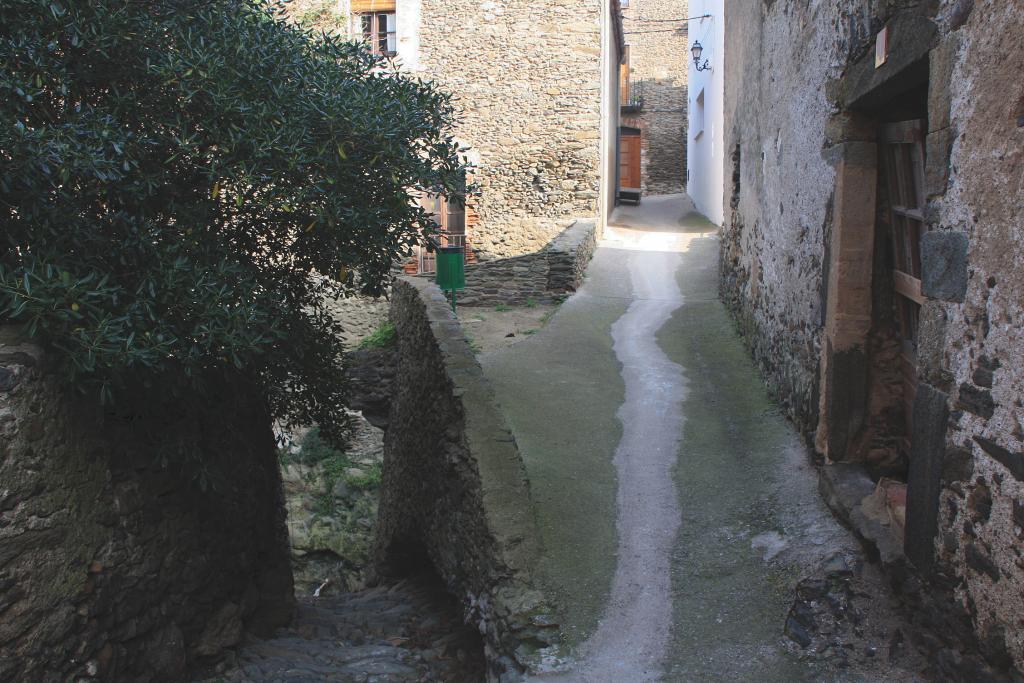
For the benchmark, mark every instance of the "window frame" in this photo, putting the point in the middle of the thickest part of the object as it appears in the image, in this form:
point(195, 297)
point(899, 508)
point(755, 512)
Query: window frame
point(699, 115)
point(373, 35)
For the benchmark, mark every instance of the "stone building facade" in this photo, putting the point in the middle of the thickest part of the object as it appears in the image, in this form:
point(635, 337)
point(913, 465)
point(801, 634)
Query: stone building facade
point(872, 253)
point(658, 54)
point(529, 81)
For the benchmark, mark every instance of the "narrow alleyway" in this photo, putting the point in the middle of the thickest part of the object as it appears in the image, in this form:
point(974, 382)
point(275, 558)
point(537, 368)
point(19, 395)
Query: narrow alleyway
point(678, 508)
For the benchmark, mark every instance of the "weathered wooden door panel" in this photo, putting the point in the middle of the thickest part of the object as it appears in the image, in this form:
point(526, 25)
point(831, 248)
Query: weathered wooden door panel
point(902, 166)
point(629, 160)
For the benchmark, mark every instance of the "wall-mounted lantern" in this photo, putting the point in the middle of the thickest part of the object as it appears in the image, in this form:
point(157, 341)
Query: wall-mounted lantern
point(695, 51)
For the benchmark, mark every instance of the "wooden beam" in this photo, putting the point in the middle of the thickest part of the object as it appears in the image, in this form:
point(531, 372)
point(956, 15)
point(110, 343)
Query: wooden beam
point(909, 286)
point(359, 6)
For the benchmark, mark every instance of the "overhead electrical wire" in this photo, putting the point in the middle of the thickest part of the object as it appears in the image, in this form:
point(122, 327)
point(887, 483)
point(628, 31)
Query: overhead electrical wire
point(681, 29)
point(701, 16)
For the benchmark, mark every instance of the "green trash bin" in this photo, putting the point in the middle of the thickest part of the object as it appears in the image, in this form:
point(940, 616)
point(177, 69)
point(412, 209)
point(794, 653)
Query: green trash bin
point(451, 270)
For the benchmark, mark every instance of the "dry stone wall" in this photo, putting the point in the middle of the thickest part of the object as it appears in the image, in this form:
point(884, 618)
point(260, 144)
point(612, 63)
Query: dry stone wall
point(454, 494)
point(120, 559)
point(658, 56)
point(527, 77)
point(547, 276)
point(789, 127)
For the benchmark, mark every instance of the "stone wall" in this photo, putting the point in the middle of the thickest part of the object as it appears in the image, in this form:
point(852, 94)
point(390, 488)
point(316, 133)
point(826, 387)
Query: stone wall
point(360, 316)
point(807, 286)
point(658, 70)
point(120, 559)
point(773, 241)
point(455, 495)
point(547, 276)
point(527, 81)
point(972, 345)
point(527, 78)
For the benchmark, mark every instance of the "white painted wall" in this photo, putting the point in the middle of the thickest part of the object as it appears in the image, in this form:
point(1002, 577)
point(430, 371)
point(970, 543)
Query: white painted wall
point(611, 58)
point(705, 153)
point(408, 29)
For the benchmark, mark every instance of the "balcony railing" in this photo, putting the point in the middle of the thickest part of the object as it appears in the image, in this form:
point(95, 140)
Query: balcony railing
point(632, 97)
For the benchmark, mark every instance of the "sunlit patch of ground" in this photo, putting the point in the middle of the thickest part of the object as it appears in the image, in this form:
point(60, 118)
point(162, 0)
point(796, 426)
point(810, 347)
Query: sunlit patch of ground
point(488, 328)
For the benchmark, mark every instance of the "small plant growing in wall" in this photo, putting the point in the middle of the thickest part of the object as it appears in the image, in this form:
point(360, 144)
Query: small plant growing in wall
point(379, 338)
point(174, 174)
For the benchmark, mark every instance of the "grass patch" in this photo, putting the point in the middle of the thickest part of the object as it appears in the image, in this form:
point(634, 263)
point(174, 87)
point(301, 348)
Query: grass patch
point(502, 308)
point(369, 479)
point(382, 336)
point(531, 303)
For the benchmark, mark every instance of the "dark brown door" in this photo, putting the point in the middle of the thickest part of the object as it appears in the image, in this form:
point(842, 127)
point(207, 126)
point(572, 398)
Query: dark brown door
point(902, 164)
point(629, 161)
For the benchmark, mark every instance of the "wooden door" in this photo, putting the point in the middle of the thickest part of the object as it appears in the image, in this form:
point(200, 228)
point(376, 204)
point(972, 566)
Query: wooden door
point(629, 160)
point(451, 220)
point(902, 164)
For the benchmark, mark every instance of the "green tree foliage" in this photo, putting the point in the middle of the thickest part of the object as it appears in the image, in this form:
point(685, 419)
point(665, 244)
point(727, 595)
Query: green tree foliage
point(182, 182)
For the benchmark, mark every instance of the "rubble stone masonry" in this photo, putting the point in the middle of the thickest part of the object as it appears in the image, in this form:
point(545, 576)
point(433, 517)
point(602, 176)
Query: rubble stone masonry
point(137, 538)
point(658, 55)
point(804, 100)
point(455, 493)
point(527, 78)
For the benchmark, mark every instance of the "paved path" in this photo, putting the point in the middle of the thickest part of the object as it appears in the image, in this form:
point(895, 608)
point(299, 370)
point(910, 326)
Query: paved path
point(678, 509)
point(409, 632)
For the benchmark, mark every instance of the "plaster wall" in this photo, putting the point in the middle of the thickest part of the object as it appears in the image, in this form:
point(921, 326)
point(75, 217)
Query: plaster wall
point(706, 145)
point(611, 64)
point(778, 186)
point(658, 52)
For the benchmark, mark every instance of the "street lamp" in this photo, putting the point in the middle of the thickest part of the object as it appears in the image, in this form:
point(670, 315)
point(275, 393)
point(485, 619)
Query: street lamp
point(695, 51)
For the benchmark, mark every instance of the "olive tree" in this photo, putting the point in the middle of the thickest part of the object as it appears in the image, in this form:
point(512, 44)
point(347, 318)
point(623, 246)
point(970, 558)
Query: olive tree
point(183, 182)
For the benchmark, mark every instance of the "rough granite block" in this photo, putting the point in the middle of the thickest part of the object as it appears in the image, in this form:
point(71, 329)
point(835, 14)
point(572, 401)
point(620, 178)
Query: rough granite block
point(944, 265)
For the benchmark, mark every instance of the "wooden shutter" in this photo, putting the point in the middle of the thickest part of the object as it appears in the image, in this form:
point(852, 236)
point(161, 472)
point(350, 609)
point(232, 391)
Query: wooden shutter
point(624, 78)
point(359, 6)
point(472, 222)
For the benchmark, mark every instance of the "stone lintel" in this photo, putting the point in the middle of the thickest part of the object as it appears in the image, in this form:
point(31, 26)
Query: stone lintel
point(941, 62)
point(911, 38)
